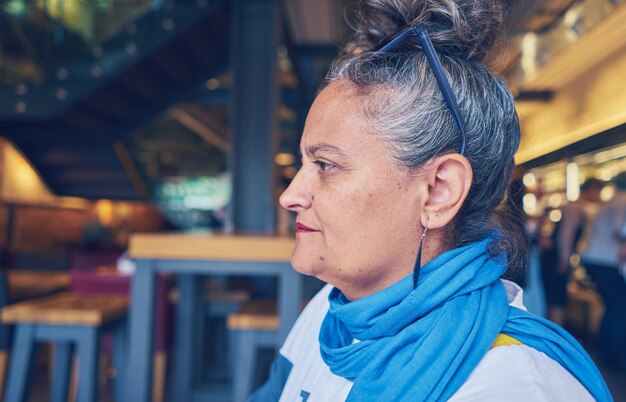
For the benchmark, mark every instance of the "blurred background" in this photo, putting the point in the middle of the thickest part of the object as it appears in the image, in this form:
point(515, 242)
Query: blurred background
point(151, 113)
point(127, 116)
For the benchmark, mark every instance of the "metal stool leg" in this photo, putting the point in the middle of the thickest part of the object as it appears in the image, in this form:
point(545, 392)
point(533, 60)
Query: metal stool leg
point(5, 349)
point(245, 354)
point(62, 371)
point(119, 359)
point(88, 357)
point(21, 362)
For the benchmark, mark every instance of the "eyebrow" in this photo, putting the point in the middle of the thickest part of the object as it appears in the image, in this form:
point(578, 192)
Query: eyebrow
point(313, 148)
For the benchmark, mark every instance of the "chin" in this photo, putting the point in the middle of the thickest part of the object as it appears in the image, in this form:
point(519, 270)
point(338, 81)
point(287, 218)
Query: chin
point(305, 268)
point(306, 264)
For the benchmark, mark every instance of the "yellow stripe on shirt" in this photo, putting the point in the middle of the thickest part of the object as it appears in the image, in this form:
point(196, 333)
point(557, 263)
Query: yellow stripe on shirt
point(505, 340)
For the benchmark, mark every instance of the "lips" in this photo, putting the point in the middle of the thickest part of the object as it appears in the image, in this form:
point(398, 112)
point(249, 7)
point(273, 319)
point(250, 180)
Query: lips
point(302, 228)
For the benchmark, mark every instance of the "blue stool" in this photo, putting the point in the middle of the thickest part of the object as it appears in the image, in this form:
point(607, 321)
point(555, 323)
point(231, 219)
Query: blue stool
point(69, 320)
point(255, 326)
point(220, 304)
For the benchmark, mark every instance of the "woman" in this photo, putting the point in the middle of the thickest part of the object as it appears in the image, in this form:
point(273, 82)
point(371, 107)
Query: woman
point(403, 169)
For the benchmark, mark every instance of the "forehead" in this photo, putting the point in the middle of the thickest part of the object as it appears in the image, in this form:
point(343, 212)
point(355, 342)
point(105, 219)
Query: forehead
point(335, 118)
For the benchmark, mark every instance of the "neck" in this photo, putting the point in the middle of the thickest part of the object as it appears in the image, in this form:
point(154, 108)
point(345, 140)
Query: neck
point(432, 247)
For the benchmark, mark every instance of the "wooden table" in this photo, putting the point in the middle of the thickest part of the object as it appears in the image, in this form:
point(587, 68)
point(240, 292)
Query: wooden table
point(189, 257)
point(26, 284)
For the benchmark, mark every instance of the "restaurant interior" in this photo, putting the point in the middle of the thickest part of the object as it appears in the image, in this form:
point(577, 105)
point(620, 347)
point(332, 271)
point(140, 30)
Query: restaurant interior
point(143, 147)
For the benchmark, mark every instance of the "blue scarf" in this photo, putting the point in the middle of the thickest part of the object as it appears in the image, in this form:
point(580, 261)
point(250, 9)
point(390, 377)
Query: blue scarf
point(421, 344)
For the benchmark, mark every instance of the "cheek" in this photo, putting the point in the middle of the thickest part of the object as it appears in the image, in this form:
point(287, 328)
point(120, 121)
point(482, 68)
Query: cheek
point(341, 215)
point(361, 216)
point(350, 226)
point(371, 222)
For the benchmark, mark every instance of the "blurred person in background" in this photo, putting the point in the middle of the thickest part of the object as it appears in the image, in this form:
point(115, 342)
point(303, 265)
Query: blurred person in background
point(534, 294)
point(622, 249)
point(601, 259)
point(402, 208)
point(95, 235)
point(558, 247)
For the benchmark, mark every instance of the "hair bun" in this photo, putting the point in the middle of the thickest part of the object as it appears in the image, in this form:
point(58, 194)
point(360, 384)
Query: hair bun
point(463, 28)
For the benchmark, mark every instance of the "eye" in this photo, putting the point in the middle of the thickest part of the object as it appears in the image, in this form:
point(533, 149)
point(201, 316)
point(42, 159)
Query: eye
point(323, 166)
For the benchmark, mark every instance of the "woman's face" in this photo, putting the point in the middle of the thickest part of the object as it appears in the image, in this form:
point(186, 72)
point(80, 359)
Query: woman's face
point(358, 217)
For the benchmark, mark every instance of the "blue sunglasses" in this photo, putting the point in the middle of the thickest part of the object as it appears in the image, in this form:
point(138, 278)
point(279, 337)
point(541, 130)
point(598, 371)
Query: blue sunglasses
point(435, 65)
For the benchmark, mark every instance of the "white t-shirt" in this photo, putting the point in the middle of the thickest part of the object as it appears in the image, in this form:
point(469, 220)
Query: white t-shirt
point(506, 373)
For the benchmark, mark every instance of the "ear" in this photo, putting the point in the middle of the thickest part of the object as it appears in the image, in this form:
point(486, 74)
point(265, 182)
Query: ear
point(449, 178)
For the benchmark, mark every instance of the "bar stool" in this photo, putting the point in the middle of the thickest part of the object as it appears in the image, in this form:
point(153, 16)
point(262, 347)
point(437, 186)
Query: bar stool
point(68, 320)
point(20, 285)
point(220, 303)
point(108, 280)
point(255, 326)
point(5, 330)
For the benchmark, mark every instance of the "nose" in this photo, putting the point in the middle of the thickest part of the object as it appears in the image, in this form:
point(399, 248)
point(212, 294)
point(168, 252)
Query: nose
point(296, 197)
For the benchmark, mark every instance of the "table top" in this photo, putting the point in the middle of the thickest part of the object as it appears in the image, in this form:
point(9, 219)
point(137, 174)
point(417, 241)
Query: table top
point(210, 247)
point(103, 271)
point(68, 309)
point(30, 283)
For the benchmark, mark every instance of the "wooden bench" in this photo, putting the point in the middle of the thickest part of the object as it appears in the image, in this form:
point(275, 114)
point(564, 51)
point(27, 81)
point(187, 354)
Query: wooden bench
point(67, 320)
point(19, 285)
point(27, 284)
point(258, 315)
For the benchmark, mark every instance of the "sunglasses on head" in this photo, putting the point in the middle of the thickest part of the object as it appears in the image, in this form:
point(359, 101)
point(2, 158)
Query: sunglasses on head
point(435, 65)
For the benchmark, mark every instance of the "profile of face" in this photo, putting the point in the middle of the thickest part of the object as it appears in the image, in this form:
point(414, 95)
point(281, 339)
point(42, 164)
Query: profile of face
point(358, 211)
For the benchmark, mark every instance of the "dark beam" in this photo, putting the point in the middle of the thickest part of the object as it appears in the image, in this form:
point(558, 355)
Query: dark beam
point(207, 118)
point(85, 157)
point(170, 63)
point(222, 96)
point(141, 82)
point(173, 145)
point(215, 97)
point(112, 102)
point(131, 170)
point(99, 192)
point(202, 130)
point(86, 120)
point(60, 170)
point(200, 44)
point(87, 176)
point(67, 138)
point(328, 50)
point(52, 134)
